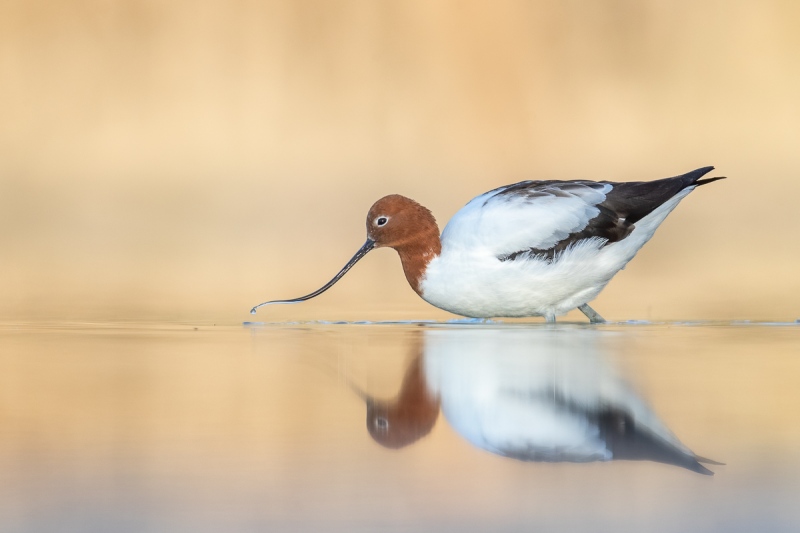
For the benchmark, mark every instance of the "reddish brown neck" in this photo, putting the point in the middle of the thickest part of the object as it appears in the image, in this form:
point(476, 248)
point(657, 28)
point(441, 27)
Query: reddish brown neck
point(415, 256)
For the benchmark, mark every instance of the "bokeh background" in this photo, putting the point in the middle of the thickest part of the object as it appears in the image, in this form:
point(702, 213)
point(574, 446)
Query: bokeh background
point(186, 160)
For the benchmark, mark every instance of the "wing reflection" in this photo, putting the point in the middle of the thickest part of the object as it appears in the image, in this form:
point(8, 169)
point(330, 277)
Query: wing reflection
point(528, 394)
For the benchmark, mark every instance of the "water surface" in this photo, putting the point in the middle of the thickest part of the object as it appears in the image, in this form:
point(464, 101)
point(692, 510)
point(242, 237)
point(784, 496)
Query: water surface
point(399, 427)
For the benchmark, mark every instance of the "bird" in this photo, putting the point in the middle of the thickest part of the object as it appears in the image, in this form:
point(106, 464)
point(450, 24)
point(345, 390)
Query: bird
point(537, 248)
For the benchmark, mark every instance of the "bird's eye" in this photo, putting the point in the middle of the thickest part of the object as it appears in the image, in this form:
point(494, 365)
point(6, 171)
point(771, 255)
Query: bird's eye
point(381, 221)
point(381, 423)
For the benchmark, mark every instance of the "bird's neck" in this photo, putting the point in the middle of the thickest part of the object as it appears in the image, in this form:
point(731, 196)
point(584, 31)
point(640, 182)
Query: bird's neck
point(416, 254)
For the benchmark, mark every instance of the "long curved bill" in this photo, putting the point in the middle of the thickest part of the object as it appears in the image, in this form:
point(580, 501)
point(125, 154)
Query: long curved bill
point(369, 245)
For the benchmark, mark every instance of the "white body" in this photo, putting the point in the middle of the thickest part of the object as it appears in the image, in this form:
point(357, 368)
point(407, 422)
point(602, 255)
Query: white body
point(469, 279)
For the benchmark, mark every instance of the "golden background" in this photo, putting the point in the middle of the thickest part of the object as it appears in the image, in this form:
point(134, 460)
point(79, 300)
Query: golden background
point(186, 160)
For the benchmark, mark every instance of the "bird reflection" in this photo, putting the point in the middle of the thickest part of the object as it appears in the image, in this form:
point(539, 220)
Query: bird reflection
point(527, 394)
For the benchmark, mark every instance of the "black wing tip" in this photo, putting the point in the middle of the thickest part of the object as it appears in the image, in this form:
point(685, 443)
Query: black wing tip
point(695, 175)
point(709, 180)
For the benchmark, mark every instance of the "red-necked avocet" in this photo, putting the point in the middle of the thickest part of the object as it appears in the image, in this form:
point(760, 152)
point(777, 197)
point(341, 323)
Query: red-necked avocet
point(534, 248)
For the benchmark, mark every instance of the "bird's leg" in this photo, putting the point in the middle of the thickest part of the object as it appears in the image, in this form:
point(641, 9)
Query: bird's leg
point(591, 314)
point(551, 318)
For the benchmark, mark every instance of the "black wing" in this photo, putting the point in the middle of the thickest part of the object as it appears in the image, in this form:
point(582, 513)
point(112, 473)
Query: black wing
point(625, 204)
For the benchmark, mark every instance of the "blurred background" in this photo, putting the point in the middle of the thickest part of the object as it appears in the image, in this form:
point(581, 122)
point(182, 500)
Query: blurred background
point(186, 160)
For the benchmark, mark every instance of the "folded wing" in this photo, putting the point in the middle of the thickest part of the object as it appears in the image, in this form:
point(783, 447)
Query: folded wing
point(544, 218)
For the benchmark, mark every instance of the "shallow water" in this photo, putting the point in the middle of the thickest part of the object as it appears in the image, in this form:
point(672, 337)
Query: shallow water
point(399, 427)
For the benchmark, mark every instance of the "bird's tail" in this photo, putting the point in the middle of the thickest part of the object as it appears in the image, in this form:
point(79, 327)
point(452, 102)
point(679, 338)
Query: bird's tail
point(693, 177)
point(709, 180)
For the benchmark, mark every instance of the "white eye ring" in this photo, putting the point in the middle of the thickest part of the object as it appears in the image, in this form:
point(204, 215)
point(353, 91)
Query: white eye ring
point(381, 423)
point(381, 221)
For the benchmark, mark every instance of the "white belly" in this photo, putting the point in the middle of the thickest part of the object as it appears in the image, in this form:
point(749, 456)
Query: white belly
point(483, 286)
